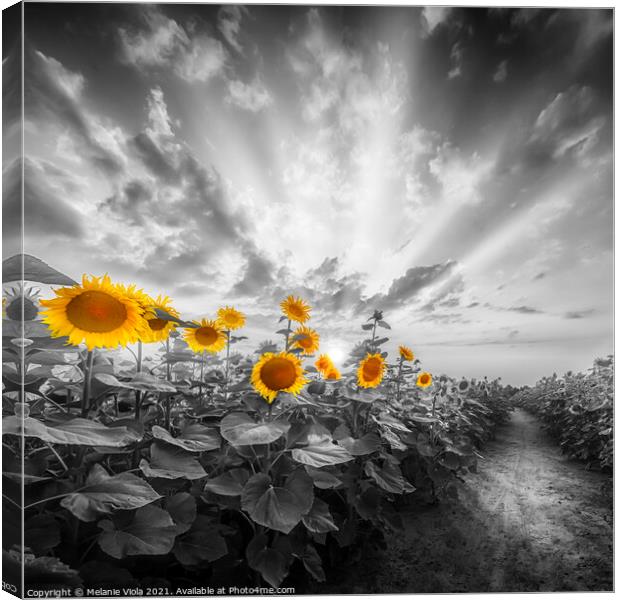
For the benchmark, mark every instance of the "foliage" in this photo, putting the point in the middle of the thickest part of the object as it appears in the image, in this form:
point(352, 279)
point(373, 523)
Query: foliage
point(180, 459)
point(577, 409)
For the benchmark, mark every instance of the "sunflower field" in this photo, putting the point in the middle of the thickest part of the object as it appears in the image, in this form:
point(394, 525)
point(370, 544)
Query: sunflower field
point(577, 410)
point(193, 464)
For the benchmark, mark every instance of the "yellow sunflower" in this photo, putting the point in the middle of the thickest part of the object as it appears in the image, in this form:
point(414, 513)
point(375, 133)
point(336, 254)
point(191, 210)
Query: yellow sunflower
point(275, 373)
point(324, 364)
point(96, 312)
point(424, 379)
point(209, 337)
point(308, 340)
point(333, 374)
point(231, 318)
point(295, 309)
point(158, 329)
point(406, 353)
point(370, 371)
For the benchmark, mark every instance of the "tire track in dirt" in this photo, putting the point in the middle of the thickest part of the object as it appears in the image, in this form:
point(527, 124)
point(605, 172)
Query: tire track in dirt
point(529, 520)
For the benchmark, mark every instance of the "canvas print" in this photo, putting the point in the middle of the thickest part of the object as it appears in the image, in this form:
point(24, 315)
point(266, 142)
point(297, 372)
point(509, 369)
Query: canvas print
point(306, 299)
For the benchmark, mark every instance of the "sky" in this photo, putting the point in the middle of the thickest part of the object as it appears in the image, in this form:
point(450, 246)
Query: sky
point(449, 166)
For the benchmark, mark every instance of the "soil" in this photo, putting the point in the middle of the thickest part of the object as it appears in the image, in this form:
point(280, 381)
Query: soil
point(529, 520)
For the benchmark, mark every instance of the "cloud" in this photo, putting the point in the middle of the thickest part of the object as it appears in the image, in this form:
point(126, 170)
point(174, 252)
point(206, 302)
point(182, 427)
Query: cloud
point(433, 17)
point(160, 42)
point(567, 123)
point(578, 314)
point(257, 276)
point(46, 212)
point(229, 23)
point(252, 97)
point(407, 287)
point(54, 100)
point(456, 61)
point(525, 310)
point(360, 88)
point(460, 176)
point(501, 73)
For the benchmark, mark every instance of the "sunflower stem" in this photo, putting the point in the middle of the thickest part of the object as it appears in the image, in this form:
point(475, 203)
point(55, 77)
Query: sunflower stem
point(167, 417)
point(288, 329)
point(88, 371)
point(202, 374)
point(400, 370)
point(138, 370)
point(227, 365)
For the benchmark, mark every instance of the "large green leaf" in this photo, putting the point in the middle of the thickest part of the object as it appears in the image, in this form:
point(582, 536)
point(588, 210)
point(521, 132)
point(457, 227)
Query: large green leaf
point(77, 432)
point(367, 444)
point(203, 542)
point(274, 507)
point(52, 358)
point(230, 483)
point(319, 519)
point(388, 478)
point(270, 563)
point(141, 381)
point(241, 430)
point(182, 509)
point(312, 562)
point(194, 438)
point(151, 531)
point(323, 479)
point(321, 452)
point(171, 462)
point(34, 269)
point(104, 494)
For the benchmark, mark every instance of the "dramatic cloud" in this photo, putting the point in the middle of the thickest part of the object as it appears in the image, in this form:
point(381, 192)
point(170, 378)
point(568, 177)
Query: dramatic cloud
point(453, 167)
point(229, 23)
point(433, 17)
point(160, 42)
point(502, 71)
point(253, 96)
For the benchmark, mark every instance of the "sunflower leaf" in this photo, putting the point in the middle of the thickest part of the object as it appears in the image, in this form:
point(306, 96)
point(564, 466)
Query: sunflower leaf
point(241, 430)
point(105, 493)
point(76, 432)
point(150, 532)
point(194, 438)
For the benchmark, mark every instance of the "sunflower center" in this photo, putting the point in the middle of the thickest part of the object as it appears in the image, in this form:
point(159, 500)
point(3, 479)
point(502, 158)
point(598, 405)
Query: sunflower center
point(96, 311)
point(372, 369)
point(424, 379)
point(206, 335)
point(278, 374)
point(296, 310)
point(305, 342)
point(157, 324)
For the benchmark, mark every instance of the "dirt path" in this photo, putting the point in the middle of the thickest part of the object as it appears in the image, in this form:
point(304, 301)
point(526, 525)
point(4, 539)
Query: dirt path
point(529, 520)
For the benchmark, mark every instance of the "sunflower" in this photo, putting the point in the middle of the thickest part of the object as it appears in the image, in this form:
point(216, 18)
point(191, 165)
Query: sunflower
point(295, 309)
point(333, 374)
point(158, 329)
point(324, 364)
point(231, 318)
point(370, 371)
point(209, 336)
point(463, 386)
point(308, 340)
point(406, 353)
point(275, 373)
point(424, 379)
point(96, 312)
point(15, 296)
